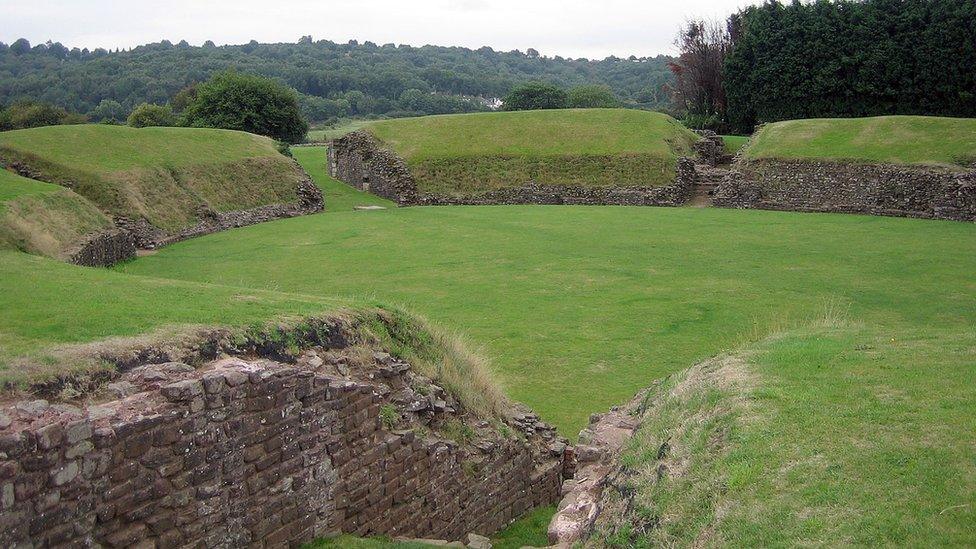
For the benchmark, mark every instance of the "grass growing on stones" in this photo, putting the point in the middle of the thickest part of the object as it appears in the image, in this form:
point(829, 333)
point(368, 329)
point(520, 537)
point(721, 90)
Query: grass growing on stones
point(473, 153)
point(925, 140)
point(162, 174)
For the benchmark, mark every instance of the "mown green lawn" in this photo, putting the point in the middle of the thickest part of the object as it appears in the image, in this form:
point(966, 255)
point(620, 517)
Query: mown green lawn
point(582, 306)
point(925, 140)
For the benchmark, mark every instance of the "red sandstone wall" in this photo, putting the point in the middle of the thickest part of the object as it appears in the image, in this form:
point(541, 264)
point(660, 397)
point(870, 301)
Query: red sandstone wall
point(256, 454)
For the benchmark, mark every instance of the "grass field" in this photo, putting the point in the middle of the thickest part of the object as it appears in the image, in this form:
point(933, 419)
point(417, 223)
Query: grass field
point(162, 174)
point(471, 153)
point(895, 139)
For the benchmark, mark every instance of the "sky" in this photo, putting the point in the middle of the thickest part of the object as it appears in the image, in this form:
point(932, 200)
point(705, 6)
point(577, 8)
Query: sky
point(569, 28)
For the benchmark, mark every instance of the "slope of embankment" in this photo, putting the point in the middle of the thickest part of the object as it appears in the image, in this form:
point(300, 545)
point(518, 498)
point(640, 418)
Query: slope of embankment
point(46, 219)
point(165, 184)
point(552, 156)
point(912, 166)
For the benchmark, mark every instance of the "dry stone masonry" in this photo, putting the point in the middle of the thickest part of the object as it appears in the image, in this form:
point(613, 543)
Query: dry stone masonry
point(358, 159)
point(147, 237)
point(877, 189)
point(260, 453)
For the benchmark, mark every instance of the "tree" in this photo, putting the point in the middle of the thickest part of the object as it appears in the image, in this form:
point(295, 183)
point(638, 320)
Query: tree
point(592, 97)
point(846, 59)
point(108, 110)
point(183, 98)
point(248, 103)
point(535, 96)
point(147, 114)
point(698, 88)
point(20, 47)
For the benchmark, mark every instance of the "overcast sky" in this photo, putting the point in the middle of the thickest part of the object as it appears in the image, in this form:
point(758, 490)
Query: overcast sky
point(570, 28)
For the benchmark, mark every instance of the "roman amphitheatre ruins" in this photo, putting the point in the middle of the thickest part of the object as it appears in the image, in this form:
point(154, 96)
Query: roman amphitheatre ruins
point(570, 327)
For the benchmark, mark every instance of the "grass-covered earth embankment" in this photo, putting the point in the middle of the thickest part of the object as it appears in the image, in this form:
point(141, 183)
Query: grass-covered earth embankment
point(44, 219)
point(475, 153)
point(922, 140)
point(161, 174)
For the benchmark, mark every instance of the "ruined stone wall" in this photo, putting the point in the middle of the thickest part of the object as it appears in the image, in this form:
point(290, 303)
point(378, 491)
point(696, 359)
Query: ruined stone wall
point(147, 236)
point(103, 249)
point(264, 454)
point(359, 160)
point(877, 189)
point(675, 194)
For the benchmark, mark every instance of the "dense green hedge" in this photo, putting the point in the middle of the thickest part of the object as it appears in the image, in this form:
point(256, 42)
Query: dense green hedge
point(852, 58)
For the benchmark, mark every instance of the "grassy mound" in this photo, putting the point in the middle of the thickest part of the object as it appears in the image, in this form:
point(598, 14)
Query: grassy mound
point(161, 174)
point(829, 434)
point(44, 219)
point(473, 153)
point(921, 140)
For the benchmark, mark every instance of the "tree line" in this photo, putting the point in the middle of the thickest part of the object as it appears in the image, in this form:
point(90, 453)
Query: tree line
point(829, 58)
point(333, 80)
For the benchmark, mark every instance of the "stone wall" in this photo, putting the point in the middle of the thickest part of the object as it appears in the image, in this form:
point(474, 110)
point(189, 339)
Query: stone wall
point(103, 249)
point(675, 194)
point(147, 236)
point(262, 453)
point(358, 159)
point(877, 189)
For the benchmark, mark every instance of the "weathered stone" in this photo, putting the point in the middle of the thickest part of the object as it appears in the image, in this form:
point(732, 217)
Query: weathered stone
point(121, 389)
point(65, 474)
point(77, 431)
point(475, 541)
point(182, 390)
point(32, 408)
point(5, 421)
point(50, 436)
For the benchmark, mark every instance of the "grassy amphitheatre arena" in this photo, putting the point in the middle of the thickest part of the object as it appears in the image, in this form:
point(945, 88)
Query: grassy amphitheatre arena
point(809, 375)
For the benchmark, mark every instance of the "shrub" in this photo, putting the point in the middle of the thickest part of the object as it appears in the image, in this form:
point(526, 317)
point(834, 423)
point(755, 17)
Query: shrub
point(31, 114)
point(247, 103)
point(535, 96)
point(147, 114)
point(592, 97)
